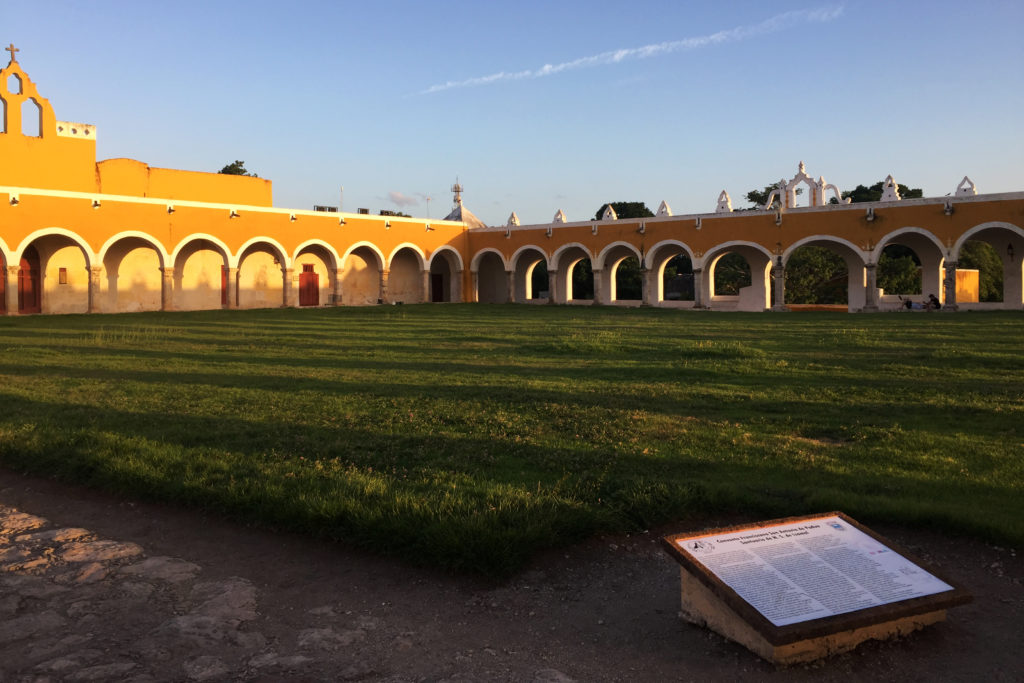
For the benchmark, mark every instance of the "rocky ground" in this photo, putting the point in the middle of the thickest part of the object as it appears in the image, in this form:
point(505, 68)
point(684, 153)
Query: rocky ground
point(95, 588)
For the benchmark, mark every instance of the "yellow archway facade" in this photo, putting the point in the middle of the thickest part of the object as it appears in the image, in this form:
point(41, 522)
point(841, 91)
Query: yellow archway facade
point(81, 235)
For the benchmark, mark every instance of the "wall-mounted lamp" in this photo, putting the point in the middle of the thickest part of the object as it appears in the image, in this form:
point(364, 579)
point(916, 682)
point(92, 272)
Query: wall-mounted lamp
point(427, 228)
point(642, 229)
point(949, 208)
point(778, 217)
point(291, 217)
point(170, 208)
point(387, 225)
point(95, 203)
point(341, 221)
point(1009, 251)
point(508, 233)
point(549, 232)
point(14, 200)
point(870, 216)
point(234, 214)
point(593, 228)
point(699, 224)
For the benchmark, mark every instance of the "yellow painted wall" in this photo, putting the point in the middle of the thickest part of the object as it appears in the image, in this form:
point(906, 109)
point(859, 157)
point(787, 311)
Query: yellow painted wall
point(260, 281)
point(405, 282)
point(968, 286)
point(360, 279)
point(134, 178)
point(72, 297)
point(198, 282)
point(131, 279)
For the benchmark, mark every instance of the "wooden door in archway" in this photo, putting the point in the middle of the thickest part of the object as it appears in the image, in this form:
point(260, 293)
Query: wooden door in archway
point(309, 286)
point(30, 295)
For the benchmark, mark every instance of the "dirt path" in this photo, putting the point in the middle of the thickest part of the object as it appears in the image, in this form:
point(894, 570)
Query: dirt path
point(97, 588)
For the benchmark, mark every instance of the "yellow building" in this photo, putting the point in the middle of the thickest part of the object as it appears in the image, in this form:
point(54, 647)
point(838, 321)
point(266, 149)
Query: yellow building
point(77, 235)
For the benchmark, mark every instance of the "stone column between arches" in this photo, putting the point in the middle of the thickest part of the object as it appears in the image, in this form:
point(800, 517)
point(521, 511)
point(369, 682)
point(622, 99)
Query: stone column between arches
point(11, 289)
point(167, 289)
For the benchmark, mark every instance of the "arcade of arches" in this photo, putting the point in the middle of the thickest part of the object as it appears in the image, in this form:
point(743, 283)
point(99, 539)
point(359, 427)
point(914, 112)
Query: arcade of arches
point(77, 235)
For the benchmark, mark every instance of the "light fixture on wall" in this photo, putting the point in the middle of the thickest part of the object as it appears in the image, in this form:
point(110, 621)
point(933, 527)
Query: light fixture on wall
point(14, 200)
point(643, 228)
point(427, 228)
point(387, 225)
point(291, 217)
point(170, 208)
point(341, 221)
point(234, 214)
point(95, 203)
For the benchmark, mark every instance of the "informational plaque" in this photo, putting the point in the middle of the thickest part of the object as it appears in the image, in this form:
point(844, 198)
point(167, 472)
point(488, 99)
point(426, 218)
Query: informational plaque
point(804, 577)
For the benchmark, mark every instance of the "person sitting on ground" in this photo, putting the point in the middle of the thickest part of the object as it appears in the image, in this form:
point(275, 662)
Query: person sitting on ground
point(933, 302)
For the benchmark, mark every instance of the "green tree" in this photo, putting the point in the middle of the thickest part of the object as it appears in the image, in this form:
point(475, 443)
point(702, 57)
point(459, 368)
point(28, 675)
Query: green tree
point(237, 167)
point(874, 193)
point(899, 270)
point(816, 275)
point(760, 197)
point(626, 210)
point(732, 272)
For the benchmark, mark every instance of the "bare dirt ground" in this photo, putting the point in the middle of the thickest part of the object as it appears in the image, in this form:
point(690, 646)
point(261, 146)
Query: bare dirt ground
point(93, 587)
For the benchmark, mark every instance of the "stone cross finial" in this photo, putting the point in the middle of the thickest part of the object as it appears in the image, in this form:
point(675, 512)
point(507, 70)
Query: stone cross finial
point(12, 50)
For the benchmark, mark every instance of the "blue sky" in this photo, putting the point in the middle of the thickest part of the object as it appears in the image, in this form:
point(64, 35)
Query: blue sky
point(640, 101)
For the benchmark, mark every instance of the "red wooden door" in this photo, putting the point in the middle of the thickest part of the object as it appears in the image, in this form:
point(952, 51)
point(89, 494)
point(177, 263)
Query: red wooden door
point(29, 294)
point(309, 286)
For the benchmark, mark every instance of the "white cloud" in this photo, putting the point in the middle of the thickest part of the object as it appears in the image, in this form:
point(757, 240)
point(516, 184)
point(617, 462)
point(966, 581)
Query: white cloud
point(402, 200)
point(770, 25)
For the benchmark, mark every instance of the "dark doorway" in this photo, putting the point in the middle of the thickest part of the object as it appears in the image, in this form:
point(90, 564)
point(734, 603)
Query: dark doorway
point(437, 288)
point(30, 295)
point(309, 286)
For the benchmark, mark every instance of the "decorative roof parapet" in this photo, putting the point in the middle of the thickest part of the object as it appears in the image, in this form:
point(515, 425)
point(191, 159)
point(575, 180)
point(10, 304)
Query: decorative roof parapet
point(609, 213)
point(513, 220)
point(890, 190)
point(559, 217)
point(966, 188)
point(724, 203)
point(664, 209)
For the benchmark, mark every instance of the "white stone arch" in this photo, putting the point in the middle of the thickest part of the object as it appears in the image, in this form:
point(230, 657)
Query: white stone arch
point(855, 259)
point(6, 252)
point(753, 297)
point(408, 245)
point(721, 249)
point(804, 241)
point(200, 236)
point(369, 245)
point(317, 243)
point(930, 251)
point(655, 263)
point(523, 274)
point(165, 258)
point(514, 259)
point(969, 234)
point(282, 254)
point(891, 236)
point(474, 265)
point(557, 255)
point(450, 250)
point(90, 256)
point(653, 252)
point(598, 262)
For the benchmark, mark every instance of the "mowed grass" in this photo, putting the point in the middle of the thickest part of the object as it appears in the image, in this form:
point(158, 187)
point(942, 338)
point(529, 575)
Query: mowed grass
point(471, 437)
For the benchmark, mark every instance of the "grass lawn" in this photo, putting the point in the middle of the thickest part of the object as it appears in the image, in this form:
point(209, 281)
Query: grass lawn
point(471, 436)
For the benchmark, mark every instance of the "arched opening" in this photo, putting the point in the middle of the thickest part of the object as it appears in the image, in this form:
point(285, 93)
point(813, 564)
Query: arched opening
point(620, 276)
point(405, 281)
point(816, 275)
point(909, 265)
point(803, 194)
point(260, 277)
point(445, 278)
point(732, 273)
point(31, 119)
point(531, 276)
point(491, 282)
point(53, 277)
point(3, 115)
point(14, 84)
point(737, 278)
point(133, 278)
point(30, 290)
point(677, 278)
point(316, 271)
point(200, 277)
point(360, 277)
point(995, 252)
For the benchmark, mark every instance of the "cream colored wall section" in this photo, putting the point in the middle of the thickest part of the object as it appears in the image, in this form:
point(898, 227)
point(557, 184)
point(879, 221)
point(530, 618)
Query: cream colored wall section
point(405, 283)
point(360, 279)
point(132, 279)
point(323, 274)
point(260, 281)
point(72, 297)
point(197, 284)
